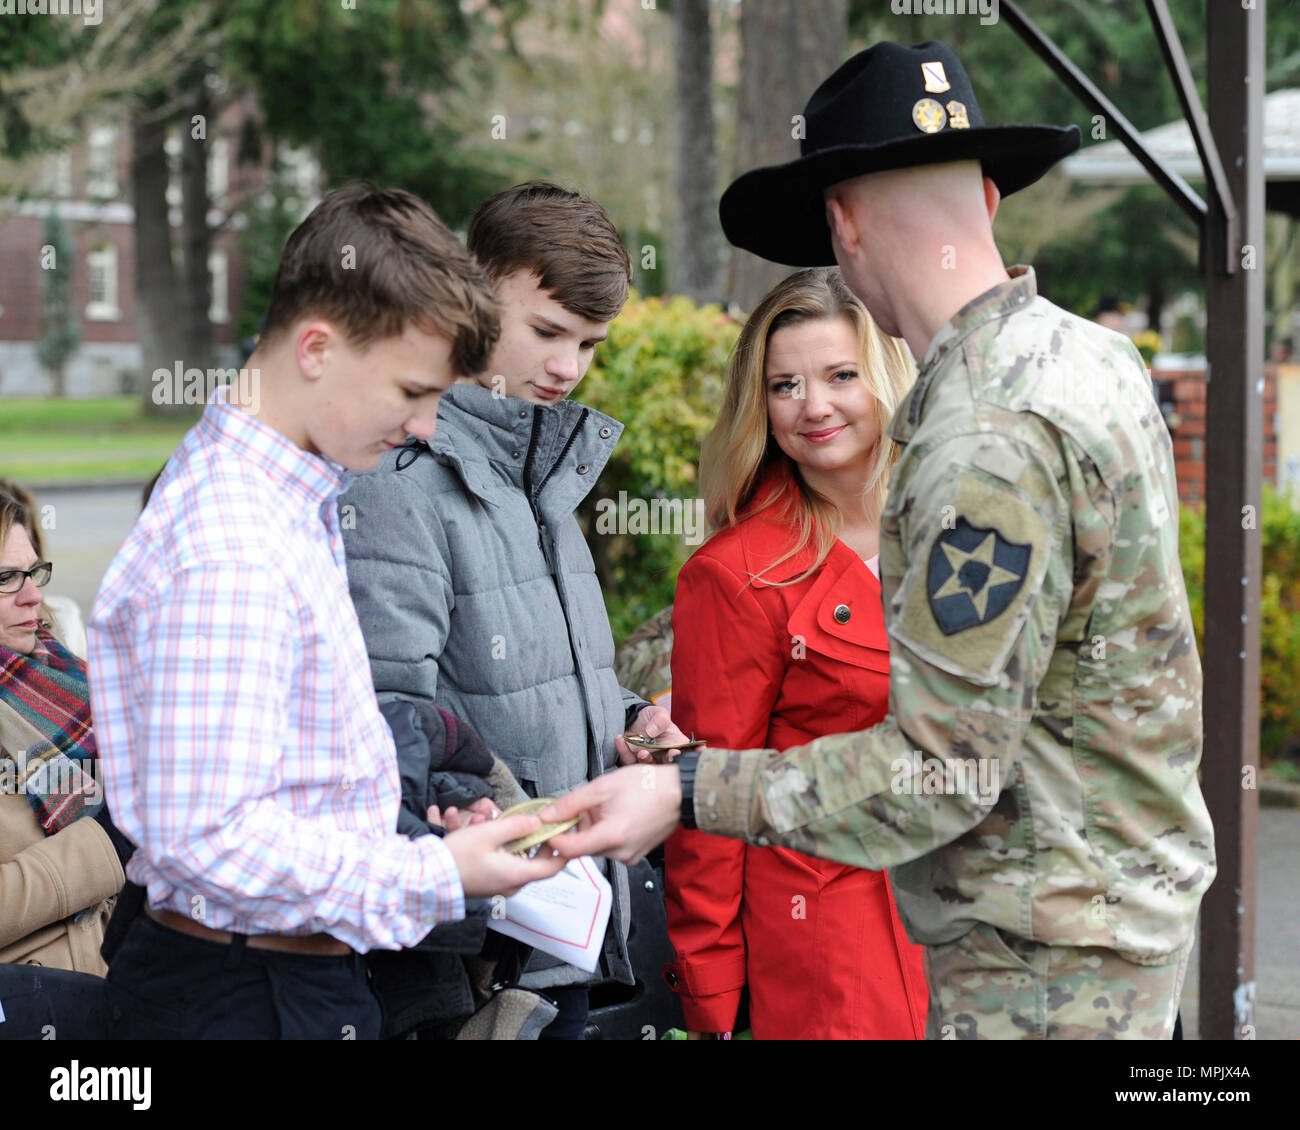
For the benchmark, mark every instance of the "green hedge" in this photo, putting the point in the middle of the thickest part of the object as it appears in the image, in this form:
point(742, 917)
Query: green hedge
point(1279, 632)
point(662, 372)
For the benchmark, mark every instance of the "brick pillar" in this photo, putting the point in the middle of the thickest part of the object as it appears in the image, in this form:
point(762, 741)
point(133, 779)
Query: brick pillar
point(1188, 432)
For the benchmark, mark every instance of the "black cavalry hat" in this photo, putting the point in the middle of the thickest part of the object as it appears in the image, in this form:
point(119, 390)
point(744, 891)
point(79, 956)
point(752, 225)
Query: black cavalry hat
point(888, 107)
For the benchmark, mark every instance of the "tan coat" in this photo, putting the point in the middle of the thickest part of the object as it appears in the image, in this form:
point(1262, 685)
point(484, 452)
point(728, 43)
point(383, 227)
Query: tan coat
point(46, 880)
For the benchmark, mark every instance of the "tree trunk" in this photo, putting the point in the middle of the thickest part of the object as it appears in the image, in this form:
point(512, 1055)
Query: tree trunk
point(696, 270)
point(786, 51)
point(196, 236)
point(159, 304)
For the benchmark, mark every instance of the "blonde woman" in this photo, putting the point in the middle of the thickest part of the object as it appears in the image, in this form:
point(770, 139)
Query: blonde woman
point(779, 638)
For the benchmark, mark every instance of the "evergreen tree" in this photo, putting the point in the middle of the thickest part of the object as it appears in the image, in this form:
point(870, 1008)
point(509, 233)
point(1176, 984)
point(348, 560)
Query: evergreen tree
point(59, 333)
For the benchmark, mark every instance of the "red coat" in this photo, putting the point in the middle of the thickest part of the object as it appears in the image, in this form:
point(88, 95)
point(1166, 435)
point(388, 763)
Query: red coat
point(819, 944)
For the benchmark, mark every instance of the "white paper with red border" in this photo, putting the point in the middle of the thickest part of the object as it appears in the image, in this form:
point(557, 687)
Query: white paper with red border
point(564, 915)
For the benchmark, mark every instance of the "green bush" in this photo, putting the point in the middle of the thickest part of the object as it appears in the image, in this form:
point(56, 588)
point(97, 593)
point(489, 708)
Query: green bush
point(1279, 631)
point(661, 372)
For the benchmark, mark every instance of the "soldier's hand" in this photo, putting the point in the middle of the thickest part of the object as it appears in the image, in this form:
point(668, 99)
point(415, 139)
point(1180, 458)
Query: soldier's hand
point(655, 722)
point(487, 869)
point(624, 813)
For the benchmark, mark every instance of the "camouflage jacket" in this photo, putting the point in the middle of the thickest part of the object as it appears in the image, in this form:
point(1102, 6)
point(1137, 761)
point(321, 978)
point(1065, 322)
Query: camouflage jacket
point(643, 661)
point(1037, 770)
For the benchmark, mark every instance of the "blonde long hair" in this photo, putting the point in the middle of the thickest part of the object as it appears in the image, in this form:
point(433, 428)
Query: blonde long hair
point(740, 450)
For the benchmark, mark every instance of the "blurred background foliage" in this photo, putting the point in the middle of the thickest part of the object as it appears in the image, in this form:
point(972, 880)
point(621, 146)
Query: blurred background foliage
point(1278, 525)
point(455, 99)
point(661, 372)
point(373, 91)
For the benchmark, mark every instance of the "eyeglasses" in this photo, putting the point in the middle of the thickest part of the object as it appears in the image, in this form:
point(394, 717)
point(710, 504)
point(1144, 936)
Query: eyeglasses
point(11, 580)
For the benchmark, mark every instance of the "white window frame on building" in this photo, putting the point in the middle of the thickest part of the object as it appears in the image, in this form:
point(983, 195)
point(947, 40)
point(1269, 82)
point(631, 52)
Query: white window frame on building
point(58, 174)
point(101, 163)
point(219, 271)
point(172, 147)
point(101, 284)
point(302, 175)
point(218, 170)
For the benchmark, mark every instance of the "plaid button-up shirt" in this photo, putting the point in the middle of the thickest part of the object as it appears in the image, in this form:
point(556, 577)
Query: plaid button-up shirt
point(242, 745)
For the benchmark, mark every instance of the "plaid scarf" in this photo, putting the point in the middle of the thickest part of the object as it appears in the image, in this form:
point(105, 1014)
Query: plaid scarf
point(48, 690)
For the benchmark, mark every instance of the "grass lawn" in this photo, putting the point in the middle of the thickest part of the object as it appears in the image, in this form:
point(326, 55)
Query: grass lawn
point(45, 441)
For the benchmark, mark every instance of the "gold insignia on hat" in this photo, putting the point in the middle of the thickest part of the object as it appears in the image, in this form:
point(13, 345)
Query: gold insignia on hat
point(929, 116)
point(957, 115)
point(936, 82)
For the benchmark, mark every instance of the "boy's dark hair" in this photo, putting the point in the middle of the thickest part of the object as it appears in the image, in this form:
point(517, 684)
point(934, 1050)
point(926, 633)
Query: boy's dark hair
point(566, 239)
point(376, 260)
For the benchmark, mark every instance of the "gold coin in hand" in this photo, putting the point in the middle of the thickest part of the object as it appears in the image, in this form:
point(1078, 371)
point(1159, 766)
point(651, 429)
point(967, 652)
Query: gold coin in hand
point(659, 752)
point(545, 832)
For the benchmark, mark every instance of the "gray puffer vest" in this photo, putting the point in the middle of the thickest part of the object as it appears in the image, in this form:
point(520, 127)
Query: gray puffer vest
point(475, 588)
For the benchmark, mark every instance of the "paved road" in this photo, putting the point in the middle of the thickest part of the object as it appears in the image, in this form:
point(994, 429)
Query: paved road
point(84, 529)
point(1277, 933)
point(88, 526)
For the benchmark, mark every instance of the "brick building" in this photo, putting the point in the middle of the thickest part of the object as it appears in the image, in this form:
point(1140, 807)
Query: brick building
point(1182, 395)
point(90, 187)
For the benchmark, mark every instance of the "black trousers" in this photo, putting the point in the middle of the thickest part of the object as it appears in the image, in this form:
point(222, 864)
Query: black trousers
point(165, 985)
point(52, 1004)
point(571, 1021)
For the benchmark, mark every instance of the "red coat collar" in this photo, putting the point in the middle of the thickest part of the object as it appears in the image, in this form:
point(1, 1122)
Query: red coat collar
point(766, 536)
point(843, 581)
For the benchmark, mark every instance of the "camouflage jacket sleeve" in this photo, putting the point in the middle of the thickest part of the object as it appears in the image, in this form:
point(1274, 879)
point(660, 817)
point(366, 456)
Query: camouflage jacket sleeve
point(975, 553)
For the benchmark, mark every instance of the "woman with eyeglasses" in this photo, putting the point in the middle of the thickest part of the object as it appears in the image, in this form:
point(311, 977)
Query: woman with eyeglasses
point(59, 868)
point(61, 611)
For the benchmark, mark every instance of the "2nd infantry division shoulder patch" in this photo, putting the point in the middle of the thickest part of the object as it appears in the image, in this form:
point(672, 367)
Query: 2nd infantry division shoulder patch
point(974, 575)
point(975, 569)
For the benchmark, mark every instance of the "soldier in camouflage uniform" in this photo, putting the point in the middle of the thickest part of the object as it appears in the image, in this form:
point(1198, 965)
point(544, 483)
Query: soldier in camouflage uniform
point(1033, 789)
point(643, 661)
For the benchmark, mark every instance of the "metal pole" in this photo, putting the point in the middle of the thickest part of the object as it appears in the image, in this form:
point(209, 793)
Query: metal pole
point(1225, 252)
point(1235, 353)
point(1091, 96)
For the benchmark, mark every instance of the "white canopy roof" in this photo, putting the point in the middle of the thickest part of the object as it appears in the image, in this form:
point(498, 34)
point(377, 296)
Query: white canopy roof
point(1172, 143)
